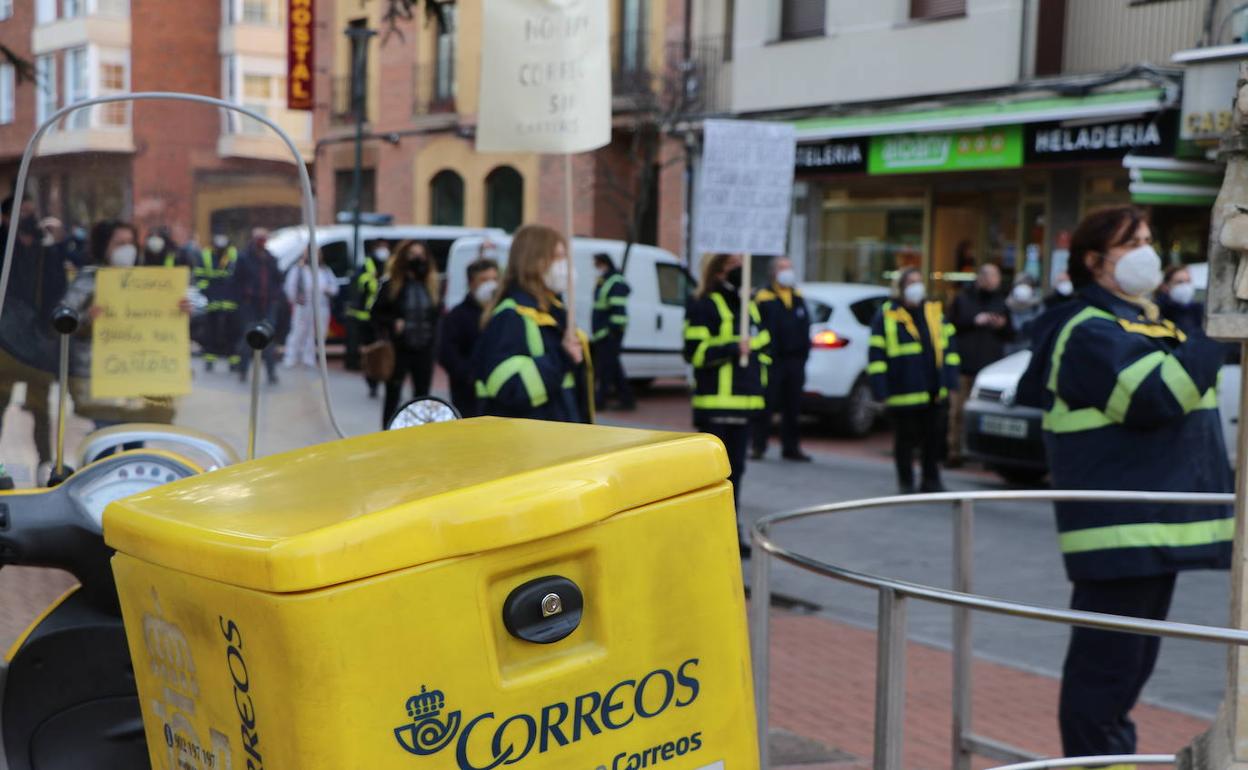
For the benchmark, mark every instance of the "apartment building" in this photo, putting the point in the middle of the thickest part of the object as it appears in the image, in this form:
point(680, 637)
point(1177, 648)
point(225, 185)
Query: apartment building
point(419, 161)
point(156, 163)
point(946, 133)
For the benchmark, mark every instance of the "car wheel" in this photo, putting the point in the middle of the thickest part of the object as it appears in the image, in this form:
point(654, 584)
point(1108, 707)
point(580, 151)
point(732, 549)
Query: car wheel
point(860, 412)
point(1021, 477)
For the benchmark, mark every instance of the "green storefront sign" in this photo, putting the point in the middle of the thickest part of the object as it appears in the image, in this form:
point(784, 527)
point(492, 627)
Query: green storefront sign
point(1000, 147)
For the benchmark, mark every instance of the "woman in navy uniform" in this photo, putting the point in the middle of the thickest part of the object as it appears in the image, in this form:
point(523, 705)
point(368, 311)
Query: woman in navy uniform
point(727, 396)
point(526, 362)
point(1130, 403)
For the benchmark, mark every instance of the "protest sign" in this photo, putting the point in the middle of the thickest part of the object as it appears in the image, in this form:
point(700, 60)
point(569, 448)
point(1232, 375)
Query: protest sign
point(745, 187)
point(140, 342)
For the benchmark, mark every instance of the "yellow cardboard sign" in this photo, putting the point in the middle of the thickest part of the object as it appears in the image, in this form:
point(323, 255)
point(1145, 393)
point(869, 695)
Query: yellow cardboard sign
point(141, 341)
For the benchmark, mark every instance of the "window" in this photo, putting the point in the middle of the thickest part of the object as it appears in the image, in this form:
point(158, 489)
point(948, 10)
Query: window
point(77, 86)
point(45, 85)
point(444, 65)
point(343, 181)
point(674, 284)
point(260, 12)
point(632, 35)
point(7, 96)
point(6, 9)
point(819, 312)
point(937, 9)
point(865, 309)
point(446, 199)
point(504, 199)
point(113, 80)
point(802, 18)
point(72, 9)
point(45, 11)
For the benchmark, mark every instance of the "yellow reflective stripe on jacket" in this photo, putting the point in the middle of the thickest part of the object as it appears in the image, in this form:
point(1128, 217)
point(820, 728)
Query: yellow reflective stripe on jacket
point(1060, 418)
point(725, 399)
point(1148, 535)
point(717, 401)
point(523, 367)
point(877, 367)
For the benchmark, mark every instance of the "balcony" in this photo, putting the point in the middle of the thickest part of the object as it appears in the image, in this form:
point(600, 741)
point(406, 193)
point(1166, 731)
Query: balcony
point(242, 137)
point(433, 97)
point(106, 24)
point(103, 128)
point(340, 107)
point(676, 88)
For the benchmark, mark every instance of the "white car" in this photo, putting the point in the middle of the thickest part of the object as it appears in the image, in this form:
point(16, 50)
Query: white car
point(836, 373)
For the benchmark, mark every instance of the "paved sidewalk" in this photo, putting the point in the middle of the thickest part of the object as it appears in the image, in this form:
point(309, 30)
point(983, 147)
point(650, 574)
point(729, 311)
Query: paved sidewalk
point(823, 688)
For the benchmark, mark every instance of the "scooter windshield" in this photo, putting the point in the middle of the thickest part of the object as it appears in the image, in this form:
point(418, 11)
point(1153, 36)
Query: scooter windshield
point(142, 291)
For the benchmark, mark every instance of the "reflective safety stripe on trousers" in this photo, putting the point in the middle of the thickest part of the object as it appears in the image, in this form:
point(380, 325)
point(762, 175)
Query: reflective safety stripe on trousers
point(1060, 418)
point(724, 398)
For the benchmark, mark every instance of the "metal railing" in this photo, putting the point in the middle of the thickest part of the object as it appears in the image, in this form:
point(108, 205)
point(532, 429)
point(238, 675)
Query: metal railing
point(894, 596)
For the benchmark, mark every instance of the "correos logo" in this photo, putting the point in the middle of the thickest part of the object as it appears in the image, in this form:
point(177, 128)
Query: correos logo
point(515, 737)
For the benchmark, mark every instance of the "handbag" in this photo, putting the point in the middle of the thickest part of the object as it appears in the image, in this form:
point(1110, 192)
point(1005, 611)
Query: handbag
point(377, 359)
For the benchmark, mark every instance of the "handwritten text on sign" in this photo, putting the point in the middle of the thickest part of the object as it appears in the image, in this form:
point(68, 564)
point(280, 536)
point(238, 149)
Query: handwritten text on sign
point(140, 343)
point(746, 187)
point(545, 76)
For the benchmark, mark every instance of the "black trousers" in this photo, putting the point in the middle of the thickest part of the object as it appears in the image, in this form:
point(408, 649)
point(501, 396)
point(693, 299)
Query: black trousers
point(418, 364)
point(612, 382)
point(249, 317)
point(736, 438)
point(1106, 670)
point(223, 331)
point(785, 384)
point(921, 428)
point(464, 398)
point(351, 357)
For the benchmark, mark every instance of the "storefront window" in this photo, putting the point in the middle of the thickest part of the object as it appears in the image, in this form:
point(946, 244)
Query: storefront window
point(867, 244)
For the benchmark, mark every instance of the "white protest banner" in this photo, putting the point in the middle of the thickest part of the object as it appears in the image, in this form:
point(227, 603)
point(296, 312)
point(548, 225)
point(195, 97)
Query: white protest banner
point(745, 187)
point(545, 76)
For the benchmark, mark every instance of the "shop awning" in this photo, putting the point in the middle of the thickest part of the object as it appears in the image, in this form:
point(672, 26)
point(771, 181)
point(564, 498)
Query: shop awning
point(994, 113)
point(1171, 182)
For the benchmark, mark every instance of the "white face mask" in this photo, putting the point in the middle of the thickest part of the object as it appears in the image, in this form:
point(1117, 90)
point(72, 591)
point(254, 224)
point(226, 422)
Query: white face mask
point(49, 239)
point(156, 244)
point(381, 254)
point(914, 293)
point(1183, 293)
point(220, 241)
point(1065, 288)
point(556, 277)
point(786, 278)
point(485, 292)
point(1023, 293)
point(124, 256)
point(1138, 273)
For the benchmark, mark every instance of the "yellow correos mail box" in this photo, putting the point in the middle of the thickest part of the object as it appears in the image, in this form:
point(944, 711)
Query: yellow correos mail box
point(474, 595)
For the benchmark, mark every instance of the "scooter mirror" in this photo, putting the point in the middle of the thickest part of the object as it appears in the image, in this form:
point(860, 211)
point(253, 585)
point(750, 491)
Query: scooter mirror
point(423, 411)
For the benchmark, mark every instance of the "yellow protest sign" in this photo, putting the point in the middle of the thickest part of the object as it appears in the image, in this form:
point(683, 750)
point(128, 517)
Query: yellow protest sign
point(141, 341)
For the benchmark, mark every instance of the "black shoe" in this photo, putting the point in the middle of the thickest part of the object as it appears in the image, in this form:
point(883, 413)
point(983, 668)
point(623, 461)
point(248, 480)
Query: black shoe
point(746, 550)
point(273, 378)
point(798, 457)
point(931, 487)
point(905, 487)
point(629, 407)
point(208, 366)
point(757, 454)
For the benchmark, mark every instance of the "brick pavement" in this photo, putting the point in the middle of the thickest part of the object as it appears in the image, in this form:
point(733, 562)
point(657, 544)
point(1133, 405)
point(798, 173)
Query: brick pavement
point(822, 687)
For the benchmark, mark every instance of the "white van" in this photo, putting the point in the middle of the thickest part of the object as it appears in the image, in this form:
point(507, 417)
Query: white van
point(288, 243)
point(656, 307)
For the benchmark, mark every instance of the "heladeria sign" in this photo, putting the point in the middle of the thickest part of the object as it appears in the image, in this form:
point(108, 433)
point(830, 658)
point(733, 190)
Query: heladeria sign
point(1108, 140)
point(299, 51)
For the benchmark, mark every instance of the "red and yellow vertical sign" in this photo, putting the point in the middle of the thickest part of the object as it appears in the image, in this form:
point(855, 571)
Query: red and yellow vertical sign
point(300, 63)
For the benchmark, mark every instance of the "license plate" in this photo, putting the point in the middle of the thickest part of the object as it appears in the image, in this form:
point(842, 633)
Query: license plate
point(1008, 427)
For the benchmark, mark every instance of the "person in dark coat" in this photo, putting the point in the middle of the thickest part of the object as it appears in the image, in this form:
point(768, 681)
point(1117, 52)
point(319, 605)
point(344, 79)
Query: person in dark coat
point(259, 287)
point(609, 322)
point(982, 321)
point(1063, 292)
point(1130, 403)
point(1176, 298)
point(406, 313)
point(460, 331)
point(786, 317)
point(527, 361)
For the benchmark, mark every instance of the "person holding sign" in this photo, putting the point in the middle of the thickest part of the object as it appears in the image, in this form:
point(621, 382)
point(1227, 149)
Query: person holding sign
point(727, 395)
point(127, 395)
point(525, 363)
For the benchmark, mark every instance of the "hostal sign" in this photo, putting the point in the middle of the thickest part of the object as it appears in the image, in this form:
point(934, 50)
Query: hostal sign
point(299, 49)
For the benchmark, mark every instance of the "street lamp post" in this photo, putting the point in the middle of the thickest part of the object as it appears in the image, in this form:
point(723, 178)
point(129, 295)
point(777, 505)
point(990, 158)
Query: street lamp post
point(359, 37)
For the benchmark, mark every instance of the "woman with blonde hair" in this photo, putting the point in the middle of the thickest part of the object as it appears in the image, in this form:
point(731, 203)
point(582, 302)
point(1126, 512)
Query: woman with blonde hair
point(406, 313)
point(526, 361)
point(727, 395)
